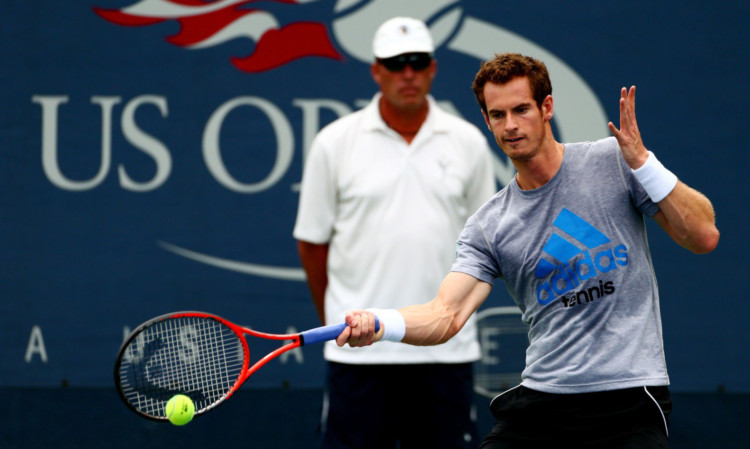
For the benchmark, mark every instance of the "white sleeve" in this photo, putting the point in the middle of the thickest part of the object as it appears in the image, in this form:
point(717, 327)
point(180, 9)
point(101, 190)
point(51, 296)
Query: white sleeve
point(317, 198)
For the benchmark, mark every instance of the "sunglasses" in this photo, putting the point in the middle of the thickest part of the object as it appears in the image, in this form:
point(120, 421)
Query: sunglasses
point(417, 61)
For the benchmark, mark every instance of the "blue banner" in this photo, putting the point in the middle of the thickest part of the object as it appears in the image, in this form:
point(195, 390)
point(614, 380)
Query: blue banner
point(151, 153)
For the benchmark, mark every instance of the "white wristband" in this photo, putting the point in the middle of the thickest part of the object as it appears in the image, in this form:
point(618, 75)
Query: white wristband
point(655, 179)
point(394, 326)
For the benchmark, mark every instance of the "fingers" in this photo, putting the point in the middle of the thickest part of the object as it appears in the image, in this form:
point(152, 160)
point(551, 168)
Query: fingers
point(613, 129)
point(628, 136)
point(631, 103)
point(624, 109)
point(627, 106)
point(628, 124)
point(344, 336)
point(360, 330)
point(628, 95)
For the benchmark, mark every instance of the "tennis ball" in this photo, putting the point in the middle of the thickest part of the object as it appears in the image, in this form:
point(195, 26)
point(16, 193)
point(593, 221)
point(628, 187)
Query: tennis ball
point(180, 410)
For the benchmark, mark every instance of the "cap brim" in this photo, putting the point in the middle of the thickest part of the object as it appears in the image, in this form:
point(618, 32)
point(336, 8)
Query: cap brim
point(395, 50)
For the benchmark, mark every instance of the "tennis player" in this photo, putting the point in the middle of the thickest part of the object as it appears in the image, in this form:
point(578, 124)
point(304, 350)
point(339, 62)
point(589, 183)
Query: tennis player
point(568, 237)
point(385, 193)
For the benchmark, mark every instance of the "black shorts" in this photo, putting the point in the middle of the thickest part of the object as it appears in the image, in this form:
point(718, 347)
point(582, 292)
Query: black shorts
point(633, 418)
point(418, 406)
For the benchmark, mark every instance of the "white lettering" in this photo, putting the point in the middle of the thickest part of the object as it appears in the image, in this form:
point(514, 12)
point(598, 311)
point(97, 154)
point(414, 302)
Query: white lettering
point(284, 144)
point(50, 165)
point(36, 345)
point(312, 121)
point(146, 143)
point(488, 343)
point(296, 352)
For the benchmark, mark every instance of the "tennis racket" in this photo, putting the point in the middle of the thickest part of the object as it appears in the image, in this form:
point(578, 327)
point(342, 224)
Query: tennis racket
point(503, 338)
point(200, 355)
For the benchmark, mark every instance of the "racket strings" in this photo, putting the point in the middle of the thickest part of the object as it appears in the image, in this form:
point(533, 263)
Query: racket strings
point(196, 356)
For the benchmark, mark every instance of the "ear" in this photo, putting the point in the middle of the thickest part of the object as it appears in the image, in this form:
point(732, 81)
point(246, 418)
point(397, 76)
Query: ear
point(375, 72)
point(486, 119)
point(433, 69)
point(548, 108)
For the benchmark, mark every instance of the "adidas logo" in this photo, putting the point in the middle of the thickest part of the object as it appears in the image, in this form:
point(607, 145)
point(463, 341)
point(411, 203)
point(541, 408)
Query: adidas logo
point(567, 257)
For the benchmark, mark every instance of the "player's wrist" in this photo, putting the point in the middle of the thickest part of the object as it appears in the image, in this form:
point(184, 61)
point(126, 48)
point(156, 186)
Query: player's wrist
point(392, 323)
point(655, 178)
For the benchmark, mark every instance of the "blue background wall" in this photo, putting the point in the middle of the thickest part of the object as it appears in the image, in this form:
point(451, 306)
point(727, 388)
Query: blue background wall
point(84, 261)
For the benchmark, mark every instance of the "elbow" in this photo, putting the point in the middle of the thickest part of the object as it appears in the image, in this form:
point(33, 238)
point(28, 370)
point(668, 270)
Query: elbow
point(705, 243)
point(709, 242)
point(440, 331)
point(453, 328)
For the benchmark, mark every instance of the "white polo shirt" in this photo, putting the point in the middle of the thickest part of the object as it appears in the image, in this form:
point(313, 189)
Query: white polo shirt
point(392, 212)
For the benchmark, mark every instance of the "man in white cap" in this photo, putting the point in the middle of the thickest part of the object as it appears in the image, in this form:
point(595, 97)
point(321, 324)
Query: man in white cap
point(385, 193)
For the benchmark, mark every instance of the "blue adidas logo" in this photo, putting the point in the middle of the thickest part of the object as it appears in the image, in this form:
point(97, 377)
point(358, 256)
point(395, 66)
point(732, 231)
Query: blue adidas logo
point(568, 256)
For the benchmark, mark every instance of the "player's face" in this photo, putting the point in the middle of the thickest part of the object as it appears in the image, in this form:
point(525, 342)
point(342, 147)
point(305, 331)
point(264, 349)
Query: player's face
point(405, 89)
point(519, 126)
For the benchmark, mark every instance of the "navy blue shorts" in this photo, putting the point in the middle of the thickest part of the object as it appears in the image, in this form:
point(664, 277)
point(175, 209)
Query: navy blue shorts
point(420, 406)
point(633, 418)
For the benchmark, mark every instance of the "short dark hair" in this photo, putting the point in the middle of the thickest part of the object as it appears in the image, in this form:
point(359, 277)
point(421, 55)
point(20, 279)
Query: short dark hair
point(508, 66)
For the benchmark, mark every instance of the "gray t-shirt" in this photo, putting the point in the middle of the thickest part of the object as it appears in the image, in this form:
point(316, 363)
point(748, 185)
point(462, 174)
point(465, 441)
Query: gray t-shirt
point(574, 256)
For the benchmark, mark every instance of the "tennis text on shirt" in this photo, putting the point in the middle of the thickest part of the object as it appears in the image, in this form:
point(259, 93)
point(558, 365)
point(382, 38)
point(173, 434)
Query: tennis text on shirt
point(579, 265)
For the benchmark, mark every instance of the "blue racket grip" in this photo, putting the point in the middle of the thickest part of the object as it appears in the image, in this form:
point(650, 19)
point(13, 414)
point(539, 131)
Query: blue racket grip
point(325, 333)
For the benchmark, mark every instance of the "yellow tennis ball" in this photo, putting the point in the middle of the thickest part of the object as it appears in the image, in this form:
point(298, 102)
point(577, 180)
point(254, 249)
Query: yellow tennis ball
point(180, 410)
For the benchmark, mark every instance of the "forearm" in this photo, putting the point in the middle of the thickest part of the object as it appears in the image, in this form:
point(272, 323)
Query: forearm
point(685, 214)
point(688, 217)
point(314, 260)
point(442, 318)
point(429, 324)
point(426, 324)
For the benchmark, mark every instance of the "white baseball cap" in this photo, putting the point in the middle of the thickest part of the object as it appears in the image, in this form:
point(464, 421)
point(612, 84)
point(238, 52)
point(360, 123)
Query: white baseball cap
point(401, 35)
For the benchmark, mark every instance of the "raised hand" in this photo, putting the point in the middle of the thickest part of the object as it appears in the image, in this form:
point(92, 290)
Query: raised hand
point(628, 136)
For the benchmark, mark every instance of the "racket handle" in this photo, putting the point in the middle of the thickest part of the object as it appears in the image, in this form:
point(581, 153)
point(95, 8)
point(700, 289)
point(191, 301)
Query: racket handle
point(325, 333)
